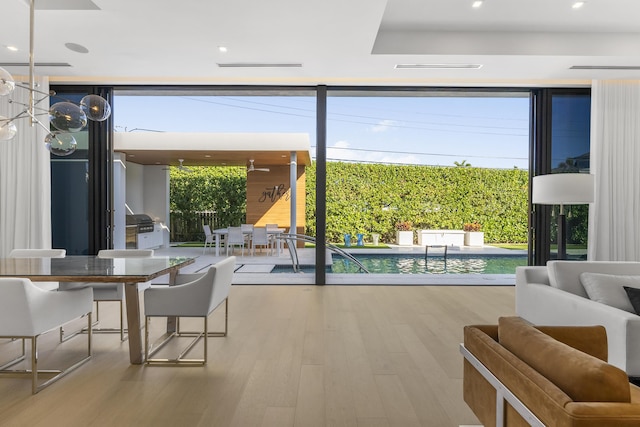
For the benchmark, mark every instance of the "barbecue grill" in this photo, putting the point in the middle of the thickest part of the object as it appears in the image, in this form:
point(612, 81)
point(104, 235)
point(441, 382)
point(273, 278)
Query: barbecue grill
point(143, 223)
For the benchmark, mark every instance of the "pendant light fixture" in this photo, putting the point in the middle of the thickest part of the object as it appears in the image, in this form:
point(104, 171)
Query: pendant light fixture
point(64, 117)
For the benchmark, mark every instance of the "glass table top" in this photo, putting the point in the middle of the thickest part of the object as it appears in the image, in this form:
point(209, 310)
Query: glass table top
point(81, 268)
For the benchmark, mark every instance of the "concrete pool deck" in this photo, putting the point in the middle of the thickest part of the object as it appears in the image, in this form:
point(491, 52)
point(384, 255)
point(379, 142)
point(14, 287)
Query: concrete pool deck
point(256, 270)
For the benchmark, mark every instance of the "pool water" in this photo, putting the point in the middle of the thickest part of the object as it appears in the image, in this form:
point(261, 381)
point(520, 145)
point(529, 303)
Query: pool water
point(417, 264)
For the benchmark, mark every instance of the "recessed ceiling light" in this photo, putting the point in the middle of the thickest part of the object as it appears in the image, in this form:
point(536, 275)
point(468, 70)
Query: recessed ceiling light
point(76, 47)
point(476, 4)
point(438, 66)
point(222, 49)
point(578, 4)
point(12, 48)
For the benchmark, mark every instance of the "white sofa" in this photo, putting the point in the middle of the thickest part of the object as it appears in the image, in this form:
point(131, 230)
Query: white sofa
point(553, 295)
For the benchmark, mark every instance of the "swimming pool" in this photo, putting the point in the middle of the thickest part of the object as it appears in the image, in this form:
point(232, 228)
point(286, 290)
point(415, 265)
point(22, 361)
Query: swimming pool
point(417, 264)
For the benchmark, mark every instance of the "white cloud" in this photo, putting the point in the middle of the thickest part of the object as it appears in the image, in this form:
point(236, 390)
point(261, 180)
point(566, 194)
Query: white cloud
point(340, 151)
point(383, 125)
point(341, 144)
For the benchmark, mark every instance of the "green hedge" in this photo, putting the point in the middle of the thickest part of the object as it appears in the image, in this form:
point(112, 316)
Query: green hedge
point(372, 198)
point(223, 190)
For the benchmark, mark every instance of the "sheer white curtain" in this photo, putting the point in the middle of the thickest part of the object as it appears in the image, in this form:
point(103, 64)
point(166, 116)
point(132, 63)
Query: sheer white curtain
point(614, 218)
point(25, 179)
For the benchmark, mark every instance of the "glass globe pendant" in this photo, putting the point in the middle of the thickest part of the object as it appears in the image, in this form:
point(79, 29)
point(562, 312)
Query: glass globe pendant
point(95, 107)
point(7, 84)
point(67, 117)
point(8, 129)
point(61, 144)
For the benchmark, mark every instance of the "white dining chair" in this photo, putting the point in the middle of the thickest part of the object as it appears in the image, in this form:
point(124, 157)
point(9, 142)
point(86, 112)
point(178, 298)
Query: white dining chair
point(103, 292)
point(259, 237)
point(40, 253)
point(27, 312)
point(197, 298)
point(209, 238)
point(273, 237)
point(235, 237)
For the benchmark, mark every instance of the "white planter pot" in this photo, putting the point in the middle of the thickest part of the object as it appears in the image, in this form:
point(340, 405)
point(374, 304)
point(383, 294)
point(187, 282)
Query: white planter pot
point(474, 238)
point(376, 238)
point(404, 238)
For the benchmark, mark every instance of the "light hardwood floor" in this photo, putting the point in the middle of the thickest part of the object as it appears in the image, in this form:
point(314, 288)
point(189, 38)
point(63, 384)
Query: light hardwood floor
point(295, 356)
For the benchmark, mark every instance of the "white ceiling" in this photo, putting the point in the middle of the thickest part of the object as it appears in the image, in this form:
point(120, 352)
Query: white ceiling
point(337, 42)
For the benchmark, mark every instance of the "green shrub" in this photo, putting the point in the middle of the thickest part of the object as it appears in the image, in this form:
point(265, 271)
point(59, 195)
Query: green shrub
point(373, 198)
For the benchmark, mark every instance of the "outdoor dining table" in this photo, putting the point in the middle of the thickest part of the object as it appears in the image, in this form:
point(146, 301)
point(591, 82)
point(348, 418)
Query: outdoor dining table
point(219, 232)
point(130, 271)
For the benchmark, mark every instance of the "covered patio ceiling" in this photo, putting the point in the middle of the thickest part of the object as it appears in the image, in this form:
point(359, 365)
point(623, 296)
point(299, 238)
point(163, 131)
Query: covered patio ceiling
point(213, 149)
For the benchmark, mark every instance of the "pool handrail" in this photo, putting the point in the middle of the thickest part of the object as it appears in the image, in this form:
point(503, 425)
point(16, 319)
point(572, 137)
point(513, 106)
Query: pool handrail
point(290, 238)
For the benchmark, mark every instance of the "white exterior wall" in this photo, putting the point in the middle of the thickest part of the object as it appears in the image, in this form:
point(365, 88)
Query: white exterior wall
point(147, 192)
point(119, 198)
point(156, 196)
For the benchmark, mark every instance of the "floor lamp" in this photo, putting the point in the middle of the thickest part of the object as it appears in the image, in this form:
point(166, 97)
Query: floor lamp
point(562, 189)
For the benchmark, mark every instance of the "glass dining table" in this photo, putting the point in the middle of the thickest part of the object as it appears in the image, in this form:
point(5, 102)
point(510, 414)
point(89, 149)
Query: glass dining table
point(130, 271)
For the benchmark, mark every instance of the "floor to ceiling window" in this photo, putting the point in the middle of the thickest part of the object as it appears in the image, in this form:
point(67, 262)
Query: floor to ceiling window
point(425, 161)
point(238, 179)
point(391, 157)
point(562, 144)
point(81, 183)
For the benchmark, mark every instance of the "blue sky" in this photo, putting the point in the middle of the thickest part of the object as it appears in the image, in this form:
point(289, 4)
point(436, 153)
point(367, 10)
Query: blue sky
point(435, 130)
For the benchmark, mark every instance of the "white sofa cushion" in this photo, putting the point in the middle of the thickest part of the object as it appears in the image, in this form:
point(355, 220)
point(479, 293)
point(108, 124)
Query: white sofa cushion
point(565, 275)
point(609, 289)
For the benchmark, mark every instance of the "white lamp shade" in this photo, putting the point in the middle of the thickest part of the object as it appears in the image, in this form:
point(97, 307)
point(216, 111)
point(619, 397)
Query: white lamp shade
point(563, 189)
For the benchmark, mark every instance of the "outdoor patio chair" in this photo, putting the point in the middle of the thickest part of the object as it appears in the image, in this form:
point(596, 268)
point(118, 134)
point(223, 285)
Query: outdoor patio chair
point(209, 238)
point(235, 237)
point(260, 237)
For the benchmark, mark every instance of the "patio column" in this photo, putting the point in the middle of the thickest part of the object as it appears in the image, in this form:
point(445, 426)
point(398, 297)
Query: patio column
point(293, 175)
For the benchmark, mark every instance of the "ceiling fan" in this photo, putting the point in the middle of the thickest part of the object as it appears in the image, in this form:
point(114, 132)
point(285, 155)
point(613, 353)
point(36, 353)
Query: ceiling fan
point(252, 168)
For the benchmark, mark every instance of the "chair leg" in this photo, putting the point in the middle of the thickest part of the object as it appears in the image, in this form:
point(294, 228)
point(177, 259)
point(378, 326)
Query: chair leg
point(57, 374)
point(121, 321)
point(34, 365)
point(121, 330)
point(17, 359)
point(205, 338)
point(149, 350)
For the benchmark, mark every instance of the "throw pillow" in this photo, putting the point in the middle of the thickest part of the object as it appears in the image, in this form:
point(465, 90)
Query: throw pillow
point(634, 297)
point(608, 289)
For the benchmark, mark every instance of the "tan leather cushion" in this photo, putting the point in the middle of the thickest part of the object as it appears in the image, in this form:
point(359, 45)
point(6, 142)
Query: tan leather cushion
point(582, 377)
